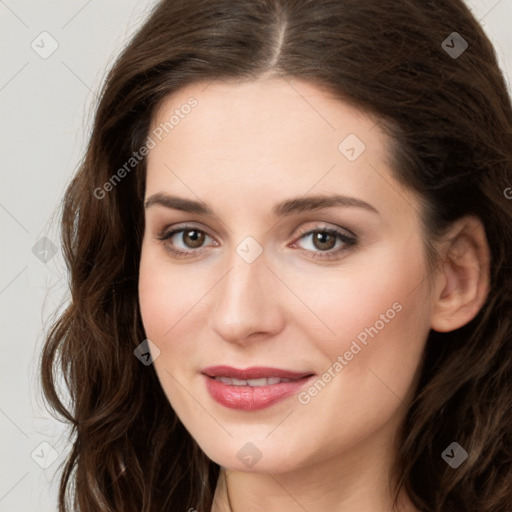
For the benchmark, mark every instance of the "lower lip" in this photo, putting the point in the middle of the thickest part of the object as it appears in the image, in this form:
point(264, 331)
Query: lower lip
point(252, 398)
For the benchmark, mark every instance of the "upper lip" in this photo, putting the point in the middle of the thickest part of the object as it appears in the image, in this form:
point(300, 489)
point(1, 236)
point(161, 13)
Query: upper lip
point(254, 372)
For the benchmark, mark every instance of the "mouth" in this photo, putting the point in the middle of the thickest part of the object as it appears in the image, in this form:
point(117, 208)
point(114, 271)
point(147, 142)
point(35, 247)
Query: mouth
point(252, 388)
point(253, 373)
point(252, 382)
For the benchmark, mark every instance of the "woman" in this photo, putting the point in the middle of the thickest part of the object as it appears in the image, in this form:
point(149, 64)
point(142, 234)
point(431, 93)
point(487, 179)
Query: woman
point(289, 252)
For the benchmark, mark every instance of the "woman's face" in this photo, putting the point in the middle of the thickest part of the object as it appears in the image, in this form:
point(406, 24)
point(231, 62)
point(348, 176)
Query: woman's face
point(299, 258)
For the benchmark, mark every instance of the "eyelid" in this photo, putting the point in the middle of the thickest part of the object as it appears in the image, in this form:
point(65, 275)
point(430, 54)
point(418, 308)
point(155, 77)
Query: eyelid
point(326, 227)
point(301, 231)
point(168, 231)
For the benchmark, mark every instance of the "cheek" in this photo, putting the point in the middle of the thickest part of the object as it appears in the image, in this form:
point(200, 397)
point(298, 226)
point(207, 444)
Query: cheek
point(386, 287)
point(166, 294)
point(155, 296)
point(378, 317)
point(166, 302)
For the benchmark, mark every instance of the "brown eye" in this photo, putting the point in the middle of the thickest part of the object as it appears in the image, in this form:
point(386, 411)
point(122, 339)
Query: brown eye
point(193, 238)
point(187, 240)
point(326, 242)
point(323, 240)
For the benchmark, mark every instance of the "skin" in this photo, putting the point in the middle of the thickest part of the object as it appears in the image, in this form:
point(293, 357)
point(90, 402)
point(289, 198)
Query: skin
point(244, 148)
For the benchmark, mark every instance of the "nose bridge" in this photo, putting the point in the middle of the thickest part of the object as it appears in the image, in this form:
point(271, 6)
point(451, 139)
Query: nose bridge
point(243, 302)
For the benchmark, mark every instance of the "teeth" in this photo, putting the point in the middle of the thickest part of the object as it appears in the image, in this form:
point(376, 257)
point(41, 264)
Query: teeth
point(238, 382)
point(252, 382)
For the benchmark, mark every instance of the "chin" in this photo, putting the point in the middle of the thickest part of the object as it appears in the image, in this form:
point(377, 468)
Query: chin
point(257, 456)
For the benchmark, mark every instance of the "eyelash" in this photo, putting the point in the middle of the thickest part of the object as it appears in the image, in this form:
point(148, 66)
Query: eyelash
point(348, 241)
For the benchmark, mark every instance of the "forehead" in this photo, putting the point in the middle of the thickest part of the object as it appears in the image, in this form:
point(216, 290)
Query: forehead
point(277, 112)
point(269, 137)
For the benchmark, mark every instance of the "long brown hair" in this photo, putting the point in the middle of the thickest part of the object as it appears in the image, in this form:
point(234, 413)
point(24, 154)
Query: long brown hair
point(450, 119)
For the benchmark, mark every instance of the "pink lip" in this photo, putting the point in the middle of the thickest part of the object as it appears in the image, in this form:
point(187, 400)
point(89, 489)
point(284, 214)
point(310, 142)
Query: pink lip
point(251, 398)
point(254, 372)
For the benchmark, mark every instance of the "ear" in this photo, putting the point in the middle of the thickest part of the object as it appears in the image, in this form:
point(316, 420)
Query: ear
point(462, 282)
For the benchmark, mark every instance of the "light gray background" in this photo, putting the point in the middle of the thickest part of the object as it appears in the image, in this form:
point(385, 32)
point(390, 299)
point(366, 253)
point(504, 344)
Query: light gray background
point(45, 119)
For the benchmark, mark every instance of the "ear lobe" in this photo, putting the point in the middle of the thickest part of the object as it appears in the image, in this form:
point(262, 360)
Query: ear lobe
point(463, 279)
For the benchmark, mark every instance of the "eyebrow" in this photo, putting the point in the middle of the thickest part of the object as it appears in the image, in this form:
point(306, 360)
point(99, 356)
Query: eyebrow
point(285, 208)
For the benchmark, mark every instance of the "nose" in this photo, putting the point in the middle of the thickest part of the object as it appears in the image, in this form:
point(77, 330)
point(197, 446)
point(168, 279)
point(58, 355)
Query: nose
point(246, 306)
